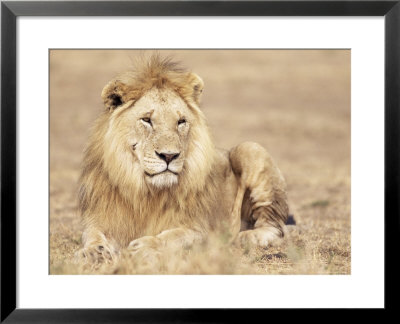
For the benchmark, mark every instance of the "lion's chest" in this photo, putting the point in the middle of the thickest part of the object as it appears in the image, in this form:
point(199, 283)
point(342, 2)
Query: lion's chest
point(159, 219)
point(205, 211)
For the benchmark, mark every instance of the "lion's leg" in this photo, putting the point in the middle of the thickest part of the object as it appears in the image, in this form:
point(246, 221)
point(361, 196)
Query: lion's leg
point(268, 228)
point(96, 247)
point(175, 238)
point(266, 201)
point(236, 220)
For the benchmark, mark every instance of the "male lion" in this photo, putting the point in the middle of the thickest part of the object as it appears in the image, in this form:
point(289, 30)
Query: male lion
point(152, 177)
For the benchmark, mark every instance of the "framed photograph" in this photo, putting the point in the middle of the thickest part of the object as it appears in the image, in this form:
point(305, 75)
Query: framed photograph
point(255, 143)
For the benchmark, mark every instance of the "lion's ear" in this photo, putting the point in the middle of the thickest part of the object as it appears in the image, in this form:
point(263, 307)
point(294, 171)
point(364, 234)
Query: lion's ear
point(112, 94)
point(197, 86)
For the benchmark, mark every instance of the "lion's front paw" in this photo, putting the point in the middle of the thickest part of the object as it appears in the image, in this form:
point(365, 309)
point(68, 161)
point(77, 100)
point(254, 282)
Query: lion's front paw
point(98, 253)
point(262, 237)
point(145, 250)
point(144, 242)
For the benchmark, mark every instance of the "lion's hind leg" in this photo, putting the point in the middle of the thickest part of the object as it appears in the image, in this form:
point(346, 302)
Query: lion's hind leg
point(264, 205)
point(268, 229)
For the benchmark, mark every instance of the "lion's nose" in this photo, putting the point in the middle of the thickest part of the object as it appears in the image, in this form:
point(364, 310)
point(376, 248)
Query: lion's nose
point(167, 157)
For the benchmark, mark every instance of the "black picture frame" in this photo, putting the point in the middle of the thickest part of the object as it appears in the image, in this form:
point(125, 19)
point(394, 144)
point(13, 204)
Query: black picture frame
point(11, 10)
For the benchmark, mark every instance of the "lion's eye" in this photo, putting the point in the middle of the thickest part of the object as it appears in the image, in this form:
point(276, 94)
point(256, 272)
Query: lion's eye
point(147, 120)
point(181, 121)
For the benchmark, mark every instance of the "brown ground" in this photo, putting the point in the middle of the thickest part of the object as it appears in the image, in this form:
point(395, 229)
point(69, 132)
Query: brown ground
point(294, 103)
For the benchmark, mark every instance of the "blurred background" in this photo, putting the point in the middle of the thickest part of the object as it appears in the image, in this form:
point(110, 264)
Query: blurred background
point(296, 103)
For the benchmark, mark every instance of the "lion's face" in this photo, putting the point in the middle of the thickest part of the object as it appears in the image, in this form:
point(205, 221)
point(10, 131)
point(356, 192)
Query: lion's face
point(155, 131)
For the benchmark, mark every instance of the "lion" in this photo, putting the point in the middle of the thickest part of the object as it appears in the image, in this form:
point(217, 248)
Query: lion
point(152, 177)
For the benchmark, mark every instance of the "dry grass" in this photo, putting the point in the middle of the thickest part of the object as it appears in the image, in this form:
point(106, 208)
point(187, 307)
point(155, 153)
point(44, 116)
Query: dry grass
point(295, 103)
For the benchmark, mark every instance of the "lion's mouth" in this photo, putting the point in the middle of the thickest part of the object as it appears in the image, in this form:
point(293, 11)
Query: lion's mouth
point(159, 173)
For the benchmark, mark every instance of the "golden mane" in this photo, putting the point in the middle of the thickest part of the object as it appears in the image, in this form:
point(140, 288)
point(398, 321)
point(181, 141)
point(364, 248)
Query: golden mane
point(113, 194)
point(153, 72)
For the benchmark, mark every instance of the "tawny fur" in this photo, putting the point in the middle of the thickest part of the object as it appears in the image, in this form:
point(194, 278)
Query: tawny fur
point(125, 196)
